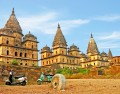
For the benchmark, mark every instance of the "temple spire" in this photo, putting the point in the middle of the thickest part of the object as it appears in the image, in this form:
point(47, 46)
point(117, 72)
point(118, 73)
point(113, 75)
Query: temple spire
point(109, 54)
point(59, 39)
point(92, 46)
point(13, 23)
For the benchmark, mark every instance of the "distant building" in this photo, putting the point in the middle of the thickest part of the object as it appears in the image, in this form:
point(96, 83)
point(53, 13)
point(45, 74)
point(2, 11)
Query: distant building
point(116, 60)
point(61, 56)
point(14, 45)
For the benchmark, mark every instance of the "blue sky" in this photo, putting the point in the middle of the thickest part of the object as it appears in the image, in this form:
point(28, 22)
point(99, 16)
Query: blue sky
point(77, 18)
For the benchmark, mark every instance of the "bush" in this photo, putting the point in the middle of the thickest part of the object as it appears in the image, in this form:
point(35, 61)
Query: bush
point(14, 62)
point(65, 71)
point(69, 74)
point(83, 71)
point(108, 76)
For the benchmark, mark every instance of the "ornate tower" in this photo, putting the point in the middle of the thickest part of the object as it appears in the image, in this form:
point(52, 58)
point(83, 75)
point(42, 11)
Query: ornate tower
point(92, 47)
point(59, 43)
point(14, 27)
point(13, 23)
point(93, 54)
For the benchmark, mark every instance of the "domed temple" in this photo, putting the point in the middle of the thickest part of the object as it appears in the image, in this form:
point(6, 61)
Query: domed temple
point(71, 57)
point(15, 46)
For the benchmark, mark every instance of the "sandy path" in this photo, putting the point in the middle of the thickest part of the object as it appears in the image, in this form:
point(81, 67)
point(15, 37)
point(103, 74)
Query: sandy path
point(73, 86)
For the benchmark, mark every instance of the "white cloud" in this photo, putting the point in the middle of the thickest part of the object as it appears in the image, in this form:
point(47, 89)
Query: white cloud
point(108, 44)
point(68, 24)
point(34, 23)
point(110, 40)
point(47, 23)
point(108, 18)
point(115, 35)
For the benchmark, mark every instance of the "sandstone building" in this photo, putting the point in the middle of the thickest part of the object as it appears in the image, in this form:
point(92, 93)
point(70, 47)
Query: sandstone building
point(116, 60)
point(15, 46)
point(62, 56)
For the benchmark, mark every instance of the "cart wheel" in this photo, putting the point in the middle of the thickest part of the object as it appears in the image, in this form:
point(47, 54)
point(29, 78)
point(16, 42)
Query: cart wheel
point(58, 82)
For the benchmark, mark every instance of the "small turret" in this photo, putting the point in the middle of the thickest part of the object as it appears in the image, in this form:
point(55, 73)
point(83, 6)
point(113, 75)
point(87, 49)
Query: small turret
point(103, 54)
point(29, 36)
point(73, 50)
point(45, 49)
point(45, 52)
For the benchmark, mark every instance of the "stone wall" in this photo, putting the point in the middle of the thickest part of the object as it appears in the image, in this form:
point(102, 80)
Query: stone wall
point(32, 73)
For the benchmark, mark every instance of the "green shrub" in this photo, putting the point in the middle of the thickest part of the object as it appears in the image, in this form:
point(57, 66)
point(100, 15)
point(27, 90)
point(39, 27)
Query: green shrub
point(108, 76)
point(83, 71)
point(14, 62)
point(65, 71)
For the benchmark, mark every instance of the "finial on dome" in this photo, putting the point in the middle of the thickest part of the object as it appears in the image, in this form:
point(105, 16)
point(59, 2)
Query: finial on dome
point(58, 25)
point(13, 11)
point(91, 35)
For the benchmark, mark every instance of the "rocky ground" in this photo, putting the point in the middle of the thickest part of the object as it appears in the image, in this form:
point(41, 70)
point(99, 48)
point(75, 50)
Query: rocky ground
point(73, 86)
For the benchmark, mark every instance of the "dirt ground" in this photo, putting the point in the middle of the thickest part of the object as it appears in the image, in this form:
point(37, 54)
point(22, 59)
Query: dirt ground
point(73, 86)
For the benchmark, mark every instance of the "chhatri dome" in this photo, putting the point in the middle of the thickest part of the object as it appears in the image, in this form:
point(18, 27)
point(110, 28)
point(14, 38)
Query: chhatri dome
point(29, 36)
